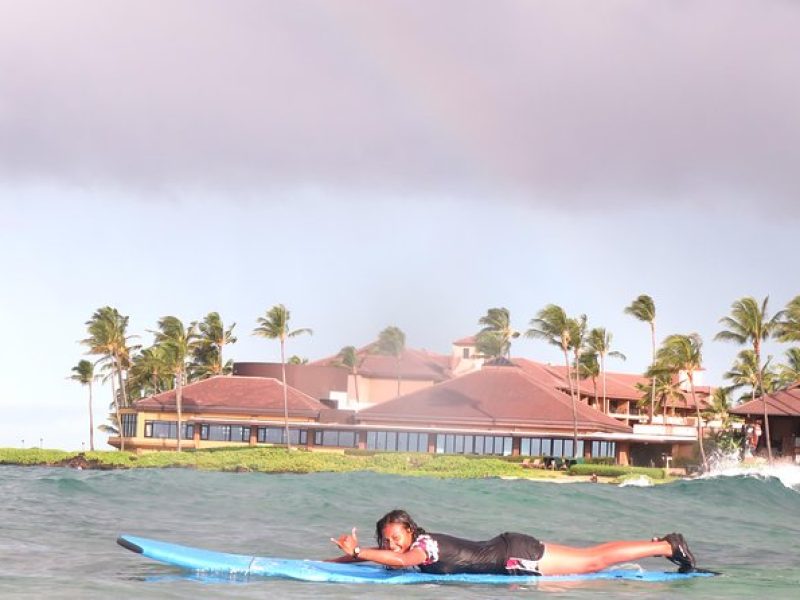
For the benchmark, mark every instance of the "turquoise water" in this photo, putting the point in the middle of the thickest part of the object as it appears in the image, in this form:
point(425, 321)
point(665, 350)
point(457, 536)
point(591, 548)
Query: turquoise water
point(58, 529)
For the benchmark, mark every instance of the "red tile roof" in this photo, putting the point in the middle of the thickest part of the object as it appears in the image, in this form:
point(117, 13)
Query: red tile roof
point(245, 395)
point(785, 402)
point(491, 397)
point(467, 341)
point(619, 386)
point(317, 381)
point(414, 364)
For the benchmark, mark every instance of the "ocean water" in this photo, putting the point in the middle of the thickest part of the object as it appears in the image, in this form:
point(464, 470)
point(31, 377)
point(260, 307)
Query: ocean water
point(58, 529)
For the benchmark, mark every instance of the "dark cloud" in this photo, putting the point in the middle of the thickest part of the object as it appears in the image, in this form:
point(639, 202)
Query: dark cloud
point(570, 100)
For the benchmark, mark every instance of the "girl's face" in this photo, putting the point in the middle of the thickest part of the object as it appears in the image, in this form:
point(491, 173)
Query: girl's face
point(397, 537)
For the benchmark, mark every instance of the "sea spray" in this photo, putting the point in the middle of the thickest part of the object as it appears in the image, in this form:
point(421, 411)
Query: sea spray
point(729, 464)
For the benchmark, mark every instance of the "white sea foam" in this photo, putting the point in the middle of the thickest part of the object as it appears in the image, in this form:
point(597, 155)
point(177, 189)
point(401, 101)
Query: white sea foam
point(731, 466)
point(640, 481)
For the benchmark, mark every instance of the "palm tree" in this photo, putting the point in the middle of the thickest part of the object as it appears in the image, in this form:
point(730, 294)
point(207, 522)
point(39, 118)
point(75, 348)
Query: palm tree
point(149, 372)
point(274, 325)
point(108, 338)
point(720, 402)
point(790, 372)
point(599, 342)
point(719, 406)
point(589, 367)
point(349, 357)
point(749, 323)
point(497, 333)
point(644, 309)
point(684, 353)
point(788, 329)
point(392, 342)
point(178, 343)
point(83, 373)
point(553, 325)
point(744, 373)
point(212, 338)
point(667, 388)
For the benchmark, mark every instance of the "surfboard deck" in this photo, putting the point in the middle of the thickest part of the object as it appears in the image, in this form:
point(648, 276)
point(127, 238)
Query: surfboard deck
point(198, 559)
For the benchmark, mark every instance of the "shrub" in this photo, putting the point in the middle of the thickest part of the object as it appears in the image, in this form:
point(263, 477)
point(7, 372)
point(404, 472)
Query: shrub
point(615, 471)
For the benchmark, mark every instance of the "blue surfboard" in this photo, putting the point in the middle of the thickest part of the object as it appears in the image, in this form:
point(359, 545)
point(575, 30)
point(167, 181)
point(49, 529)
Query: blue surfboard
point(199, 560)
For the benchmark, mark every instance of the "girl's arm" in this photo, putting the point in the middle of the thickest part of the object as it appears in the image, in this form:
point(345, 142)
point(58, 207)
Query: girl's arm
point(348, 544)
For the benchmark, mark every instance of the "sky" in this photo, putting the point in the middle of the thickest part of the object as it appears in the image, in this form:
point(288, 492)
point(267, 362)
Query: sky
point(386, 163)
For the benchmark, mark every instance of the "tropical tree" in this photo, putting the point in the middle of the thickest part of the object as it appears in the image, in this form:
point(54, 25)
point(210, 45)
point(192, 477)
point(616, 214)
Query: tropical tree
point(589, 368)
point(495, 338)
point(684, 353)
point(599, 342)
point(392, 342)
point(294, 359)
point(720, 401)
point(644, 309)
point(108, 338)
point(274, 325)
point(552, 325)
point(745, 374)
point(150, 372)
point(577, 342)
point(749, 323)
point(667, 390)
point(83, 373)
point(208, 352)
point(788, 329)
point(349, 357)
point(790, 372)
point(177, 343)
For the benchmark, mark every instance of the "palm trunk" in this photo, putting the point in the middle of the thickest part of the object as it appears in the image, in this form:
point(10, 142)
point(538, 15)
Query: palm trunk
point(699, 423)
point(285, 396)
point(117, 416)
point(652, 364)
point(355, 383)
point(766, 423)
point(179, 404)
point(757, 349)
point(603, 369)
point(91, 420)
point(121, 382)
point(573, 395)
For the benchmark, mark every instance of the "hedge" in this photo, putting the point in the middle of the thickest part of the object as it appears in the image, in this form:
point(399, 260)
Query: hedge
point(615, 471)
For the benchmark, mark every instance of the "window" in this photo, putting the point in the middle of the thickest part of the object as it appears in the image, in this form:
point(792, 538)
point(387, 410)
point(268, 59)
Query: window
point(604, 449)
point(167, 430)
point(224, 433)
point(550, 447)
point(332, 437)
point(465, 353)
point(276, 435)
point(400, 441)
point(473, 444)
point(129, 425)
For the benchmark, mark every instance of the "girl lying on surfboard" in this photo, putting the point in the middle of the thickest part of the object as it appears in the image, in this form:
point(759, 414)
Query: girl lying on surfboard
point(403, 543)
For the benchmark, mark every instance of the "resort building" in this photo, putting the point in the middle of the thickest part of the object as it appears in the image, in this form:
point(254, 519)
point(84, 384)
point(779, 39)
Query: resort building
point(783, 412)
point(447, 404)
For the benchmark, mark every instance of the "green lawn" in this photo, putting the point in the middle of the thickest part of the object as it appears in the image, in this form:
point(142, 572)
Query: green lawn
point(279, 460)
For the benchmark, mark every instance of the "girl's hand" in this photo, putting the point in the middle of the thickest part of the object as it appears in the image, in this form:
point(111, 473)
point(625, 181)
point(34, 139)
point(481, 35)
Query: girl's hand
point(347, 543)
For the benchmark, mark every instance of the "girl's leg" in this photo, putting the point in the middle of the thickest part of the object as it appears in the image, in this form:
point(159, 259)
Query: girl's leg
point(568, 560)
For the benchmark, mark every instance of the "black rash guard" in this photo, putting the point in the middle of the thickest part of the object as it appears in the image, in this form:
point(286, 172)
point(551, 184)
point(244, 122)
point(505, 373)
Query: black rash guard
point(448, 554)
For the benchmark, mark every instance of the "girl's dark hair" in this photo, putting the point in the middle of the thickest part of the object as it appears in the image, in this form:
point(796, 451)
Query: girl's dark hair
point(397, 516)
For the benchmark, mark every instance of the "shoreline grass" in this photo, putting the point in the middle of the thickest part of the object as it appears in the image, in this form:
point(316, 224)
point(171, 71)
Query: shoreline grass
point(301, 461)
